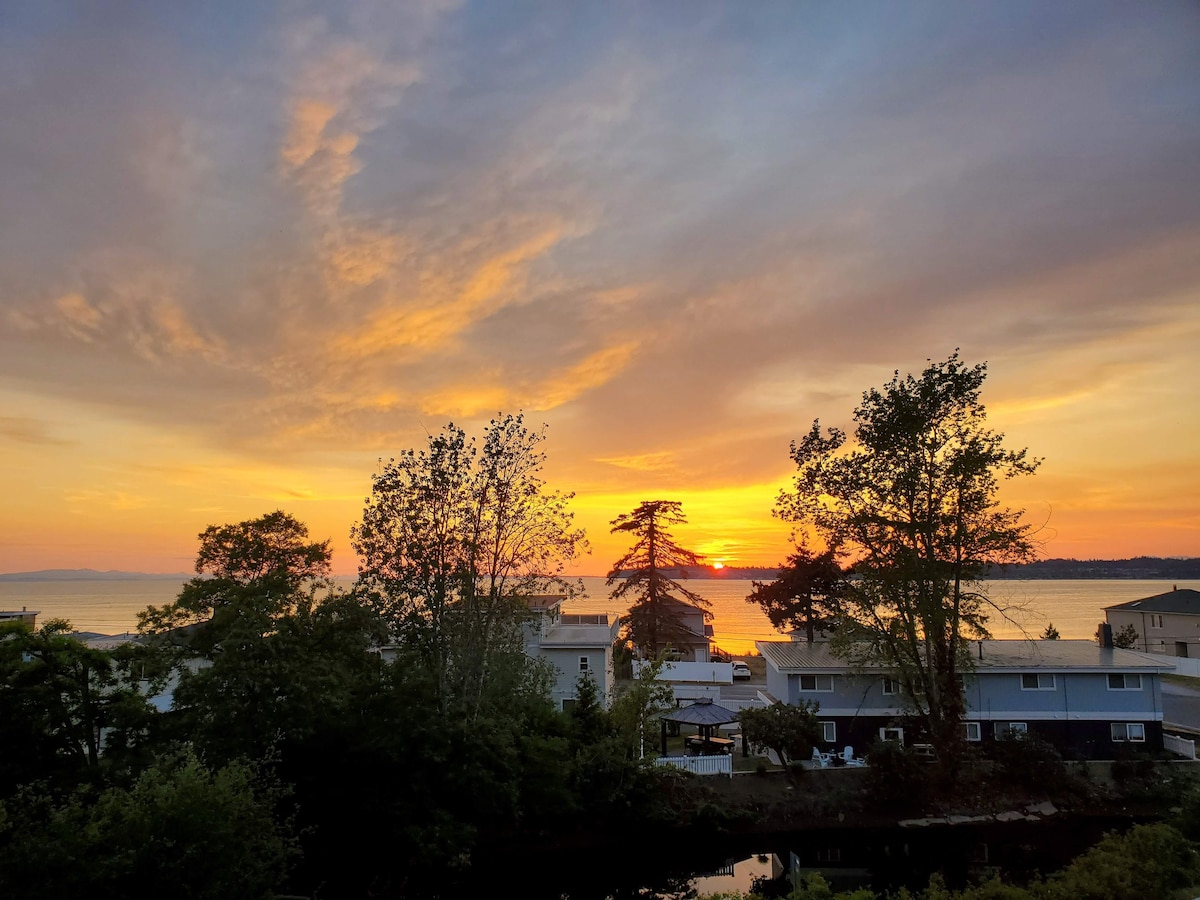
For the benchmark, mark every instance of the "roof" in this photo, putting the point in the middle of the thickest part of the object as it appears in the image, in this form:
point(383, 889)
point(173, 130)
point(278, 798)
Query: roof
point(544, 601)
point(996, 656)
point(1174, 601)
point(702, 712)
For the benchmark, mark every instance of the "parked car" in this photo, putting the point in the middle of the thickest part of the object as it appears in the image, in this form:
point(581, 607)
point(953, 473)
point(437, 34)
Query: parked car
point(740, 669)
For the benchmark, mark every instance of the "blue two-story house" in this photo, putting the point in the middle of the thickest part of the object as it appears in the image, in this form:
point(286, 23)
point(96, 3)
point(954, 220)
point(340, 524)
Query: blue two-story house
point(1076, 694)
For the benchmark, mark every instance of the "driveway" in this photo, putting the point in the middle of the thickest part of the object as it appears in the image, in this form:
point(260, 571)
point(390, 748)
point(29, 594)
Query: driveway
point(1181, 704)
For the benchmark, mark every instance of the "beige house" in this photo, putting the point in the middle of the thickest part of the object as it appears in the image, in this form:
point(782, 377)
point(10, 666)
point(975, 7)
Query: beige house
point(1167, 623)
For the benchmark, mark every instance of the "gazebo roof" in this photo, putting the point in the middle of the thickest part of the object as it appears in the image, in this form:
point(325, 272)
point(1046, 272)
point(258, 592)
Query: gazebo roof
point(702, 712)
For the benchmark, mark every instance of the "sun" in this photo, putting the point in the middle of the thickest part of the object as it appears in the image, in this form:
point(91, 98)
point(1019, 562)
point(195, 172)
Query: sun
point(718, 565)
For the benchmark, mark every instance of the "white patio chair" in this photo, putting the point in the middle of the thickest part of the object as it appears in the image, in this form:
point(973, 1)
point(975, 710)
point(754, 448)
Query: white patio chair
point(849, 759)
point(821, 759)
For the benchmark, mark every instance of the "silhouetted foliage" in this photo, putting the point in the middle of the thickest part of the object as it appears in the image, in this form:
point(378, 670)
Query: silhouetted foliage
point(913, 506)
point(59, 699)
point(181, 830)
point(248, 574)
point(804, 594)
point(454, 539)
point(659, 603)
point(1126, 638)
point(792, 731)
point(1050, 633)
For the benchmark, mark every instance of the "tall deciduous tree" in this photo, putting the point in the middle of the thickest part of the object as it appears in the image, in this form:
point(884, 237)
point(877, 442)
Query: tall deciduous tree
point(453, 539)
point(659, 602)
point(805, 594)
point(257, 569)
point(914, 505)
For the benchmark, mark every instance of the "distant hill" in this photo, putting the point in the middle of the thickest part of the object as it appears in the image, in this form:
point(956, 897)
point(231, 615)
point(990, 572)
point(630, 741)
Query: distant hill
point(1144, 567)
point(1140, 567)
point(91, 575)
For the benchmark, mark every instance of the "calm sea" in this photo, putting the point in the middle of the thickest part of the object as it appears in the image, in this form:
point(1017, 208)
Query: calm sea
point(1075, 607)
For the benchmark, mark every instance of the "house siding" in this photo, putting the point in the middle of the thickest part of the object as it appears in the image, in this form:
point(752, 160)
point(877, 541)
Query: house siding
point(1076, 712)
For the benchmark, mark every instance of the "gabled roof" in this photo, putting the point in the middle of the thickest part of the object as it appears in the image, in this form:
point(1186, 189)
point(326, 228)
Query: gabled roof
point(1175, 601)
point(992, 656)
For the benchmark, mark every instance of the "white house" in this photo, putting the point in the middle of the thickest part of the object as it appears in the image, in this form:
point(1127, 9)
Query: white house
point(574, 644)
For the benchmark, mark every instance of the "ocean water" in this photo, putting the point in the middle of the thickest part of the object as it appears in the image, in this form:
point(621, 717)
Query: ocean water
point(1074, 606)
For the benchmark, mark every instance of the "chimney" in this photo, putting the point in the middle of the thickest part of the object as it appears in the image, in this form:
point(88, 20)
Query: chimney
point(1104, 635)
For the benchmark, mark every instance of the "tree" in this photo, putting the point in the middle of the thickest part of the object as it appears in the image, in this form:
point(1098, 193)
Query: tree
point(655, 617)
point(914, 507)
point(1050, 633)
point(791, 731)
point(634, 710)
point(255, 570)
point(181, 830)
point(59, 700)
point(804, 594)
point(1127, 638)
point(453, 539)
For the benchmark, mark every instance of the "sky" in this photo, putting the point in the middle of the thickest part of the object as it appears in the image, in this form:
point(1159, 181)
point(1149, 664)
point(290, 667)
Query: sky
point(249, 249)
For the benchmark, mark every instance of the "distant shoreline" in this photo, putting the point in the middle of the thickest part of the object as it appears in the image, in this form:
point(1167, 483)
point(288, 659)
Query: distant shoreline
point(1139, 568)
point(92, 575)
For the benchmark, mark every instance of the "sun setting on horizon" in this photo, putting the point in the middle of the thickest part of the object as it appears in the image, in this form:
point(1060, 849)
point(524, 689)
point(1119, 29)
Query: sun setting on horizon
point(247, 255)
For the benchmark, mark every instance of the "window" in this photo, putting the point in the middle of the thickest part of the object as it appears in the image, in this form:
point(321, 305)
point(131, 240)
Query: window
point(1124, 682)
point(891, 686)
point(583, 664)
point(892, 734)
point(816, 682)
point(829, 732)
point(973, 731)
point(1128, 731)
point(1156, 621)
point(1036, 681)
point(568, 704)
point(1004, 730)
point(829, 854)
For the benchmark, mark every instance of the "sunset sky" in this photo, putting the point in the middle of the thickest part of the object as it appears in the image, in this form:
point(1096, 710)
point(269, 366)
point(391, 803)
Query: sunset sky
point(246, 249)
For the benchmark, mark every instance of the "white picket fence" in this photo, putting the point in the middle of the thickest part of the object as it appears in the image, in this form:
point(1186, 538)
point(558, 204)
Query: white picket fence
point(699, 765)
point(1182, 746)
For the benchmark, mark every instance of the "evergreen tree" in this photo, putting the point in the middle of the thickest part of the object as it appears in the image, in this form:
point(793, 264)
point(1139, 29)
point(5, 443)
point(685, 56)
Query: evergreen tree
point(660, 603)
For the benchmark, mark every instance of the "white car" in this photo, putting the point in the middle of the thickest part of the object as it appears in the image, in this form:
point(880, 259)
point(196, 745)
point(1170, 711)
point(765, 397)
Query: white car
point(740, 669)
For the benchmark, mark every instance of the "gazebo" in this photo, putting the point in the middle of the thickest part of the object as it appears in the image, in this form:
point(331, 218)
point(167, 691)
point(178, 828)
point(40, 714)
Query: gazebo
point(706, 716)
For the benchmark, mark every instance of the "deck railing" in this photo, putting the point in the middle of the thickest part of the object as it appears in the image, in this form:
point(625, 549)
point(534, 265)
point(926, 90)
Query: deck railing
point(699, 765)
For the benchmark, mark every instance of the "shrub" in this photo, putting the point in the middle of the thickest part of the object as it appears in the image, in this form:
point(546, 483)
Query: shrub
point(1029, 760)
point(896, 775)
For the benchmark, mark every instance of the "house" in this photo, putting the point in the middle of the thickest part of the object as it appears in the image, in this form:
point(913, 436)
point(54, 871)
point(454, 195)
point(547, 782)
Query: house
point(1167, 623)
point(22, 615)
point(574, 644)
point(692, 640)
point(1077, 694)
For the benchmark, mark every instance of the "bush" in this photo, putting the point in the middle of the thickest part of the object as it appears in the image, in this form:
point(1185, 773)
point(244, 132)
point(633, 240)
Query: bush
point(896, 775)
point(1028, 760)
